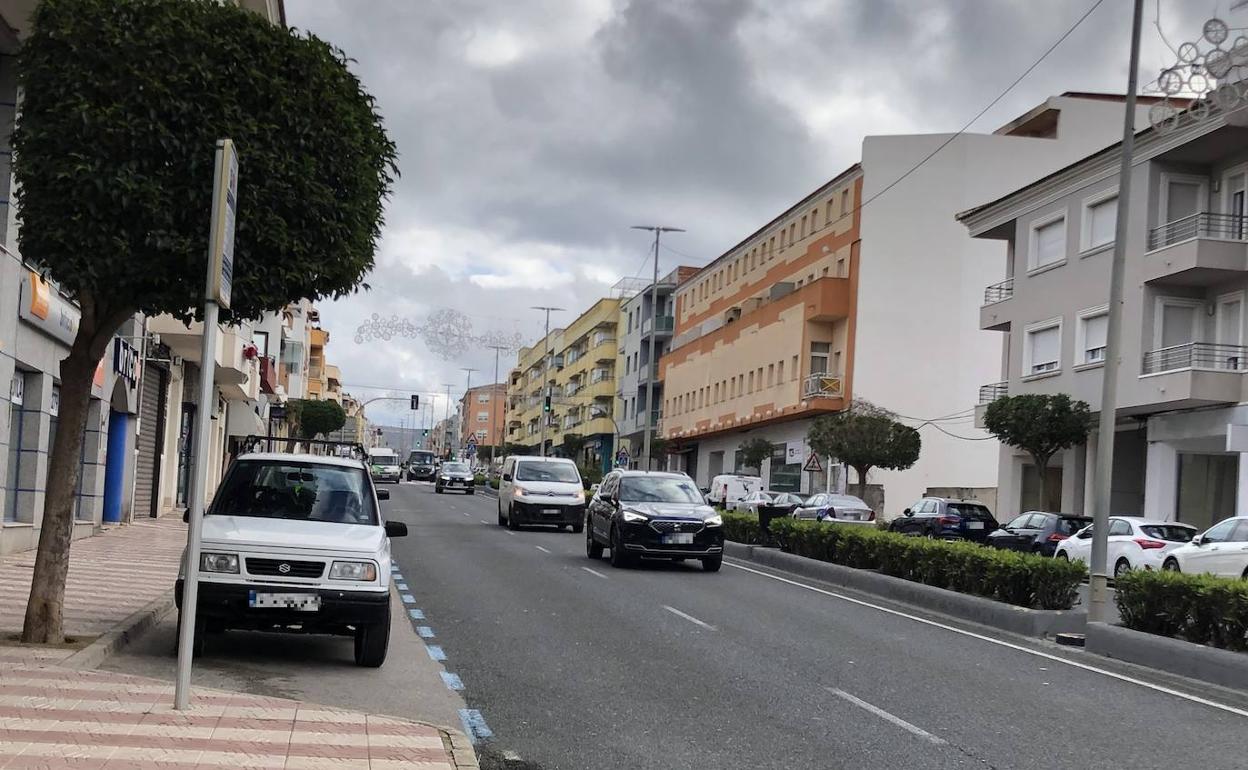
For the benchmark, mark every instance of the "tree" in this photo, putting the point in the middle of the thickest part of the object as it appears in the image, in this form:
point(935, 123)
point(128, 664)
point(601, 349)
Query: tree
point(1040, 425)
point(315, 418)
point(865, 436)
point(573, 443)
point(123, 103)
point(754, 451)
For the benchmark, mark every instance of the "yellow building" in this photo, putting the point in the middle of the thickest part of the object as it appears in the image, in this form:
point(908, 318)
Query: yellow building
point(318, 382)
point(578, 375)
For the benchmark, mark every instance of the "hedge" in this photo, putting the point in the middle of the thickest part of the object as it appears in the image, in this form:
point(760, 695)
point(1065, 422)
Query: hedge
point(1199, 608)
point(1026, 580)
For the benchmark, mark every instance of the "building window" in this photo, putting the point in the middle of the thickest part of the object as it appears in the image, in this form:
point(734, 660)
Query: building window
point(12, 484)
point(483, 398)
point(844, 202)
point(780, 371)
point(792, 232)
point(1043, 347)
point(1090, 335)
point(814, 220)
point(1100, 218)
point(771, 375)
point(751, 382)
point(803, 231)
point(1048, 242)
point(819, 352)
point(828, 215)
point(483, 416)
point(1177, 321)
point(261, 341)
point(795, 368)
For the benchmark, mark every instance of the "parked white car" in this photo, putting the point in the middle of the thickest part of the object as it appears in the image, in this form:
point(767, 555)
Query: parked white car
point(541, 490)
point(729, 489)
point(1220, 550)
point(1134, 543)
point(296, 543)
point(836, 509)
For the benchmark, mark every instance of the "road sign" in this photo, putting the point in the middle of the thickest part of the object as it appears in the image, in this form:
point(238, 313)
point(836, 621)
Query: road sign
point(621, 457)
point(472, 441)
point(221, 237)
point(812, 465)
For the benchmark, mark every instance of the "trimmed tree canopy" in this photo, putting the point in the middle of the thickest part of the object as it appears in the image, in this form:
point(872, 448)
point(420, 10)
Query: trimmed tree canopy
point(754, 452)
point(316, 418)
point(124, 101)
point(865, 437)
point(1041, 425)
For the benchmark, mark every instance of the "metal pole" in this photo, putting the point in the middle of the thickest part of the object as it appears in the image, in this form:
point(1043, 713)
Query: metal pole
point(463, 440)
point(446, 426)
point(651, 371)
point(1099, 584)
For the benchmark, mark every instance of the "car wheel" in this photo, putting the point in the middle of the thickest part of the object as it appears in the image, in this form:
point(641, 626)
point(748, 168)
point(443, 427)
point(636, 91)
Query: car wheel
point(197, 642)
point(578, 528)
point(1061, 555)
point(511, 518)
point(593, 549)
point(501, 521)
point(371, 642)
point(712, 563)
point(619, 559)
point(1121, 568)
point(437, 490)
point(1171, 565)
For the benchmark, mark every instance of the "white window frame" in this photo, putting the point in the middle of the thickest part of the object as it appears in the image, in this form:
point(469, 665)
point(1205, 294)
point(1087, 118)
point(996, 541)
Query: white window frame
point(1033, 240)
point(483, 416)
point(1081, 348)
point(1039, 326)
point(1163, 195)
point(1226, 299)
point(1085, 221)
point(1158, 314)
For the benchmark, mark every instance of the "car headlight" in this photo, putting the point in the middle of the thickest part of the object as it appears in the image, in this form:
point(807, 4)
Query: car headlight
point(219, 562)
point(519, 491)
point(634, 518)
point(714, 521)
point(580, 496)
point(446, 478)
point(353, 570)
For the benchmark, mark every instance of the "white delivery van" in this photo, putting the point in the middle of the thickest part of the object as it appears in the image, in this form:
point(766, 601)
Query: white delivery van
point(383, 463)
point(729, 488)
point(541, 490)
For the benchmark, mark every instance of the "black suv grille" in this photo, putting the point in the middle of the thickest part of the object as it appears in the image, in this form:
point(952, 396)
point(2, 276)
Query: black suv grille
point(299, 569)
point(666, 525)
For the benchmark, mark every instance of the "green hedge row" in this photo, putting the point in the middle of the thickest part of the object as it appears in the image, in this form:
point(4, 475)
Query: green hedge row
point(1025, 580)
point(1199, 608)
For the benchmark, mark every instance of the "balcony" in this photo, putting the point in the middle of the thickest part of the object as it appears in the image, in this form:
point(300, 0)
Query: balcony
point(823, 385)
point(1194, 374)
point(665, 324)
point(993, 316)
point(602, 338)
point(599, 375)
point(1196, 355)
point(646, 373)
point(987, 394)
point(999, 292)
point(1200, 250)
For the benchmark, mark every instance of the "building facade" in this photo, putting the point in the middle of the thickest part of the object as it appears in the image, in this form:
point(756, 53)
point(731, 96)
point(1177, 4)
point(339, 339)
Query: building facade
point(481, 411)
point(1179, 446)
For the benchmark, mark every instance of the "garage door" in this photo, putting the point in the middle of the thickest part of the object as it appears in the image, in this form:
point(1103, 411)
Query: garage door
point(151, 428)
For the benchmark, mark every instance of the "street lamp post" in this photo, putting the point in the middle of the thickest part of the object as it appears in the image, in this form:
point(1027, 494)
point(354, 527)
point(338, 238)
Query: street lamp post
point(446, 425)
point(467, 392)
point(496, 436)
point(654, 330)
point(545, 379)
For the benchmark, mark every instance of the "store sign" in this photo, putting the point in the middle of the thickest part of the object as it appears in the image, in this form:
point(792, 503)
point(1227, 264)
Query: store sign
point(126, 361)
point(45, 309)
point(793, 452)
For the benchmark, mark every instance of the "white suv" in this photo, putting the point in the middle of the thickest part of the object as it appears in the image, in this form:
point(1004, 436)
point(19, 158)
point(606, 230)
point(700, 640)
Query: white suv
point(296, 543)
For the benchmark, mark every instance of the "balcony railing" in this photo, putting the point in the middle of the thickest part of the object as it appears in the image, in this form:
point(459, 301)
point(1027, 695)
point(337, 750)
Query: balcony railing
point(823, 385)
point(603, 339)
point(999, 292)
point(1227, 227)
point(1197, 355)
point(665, 323)
point(599, 375)
point(993, 391)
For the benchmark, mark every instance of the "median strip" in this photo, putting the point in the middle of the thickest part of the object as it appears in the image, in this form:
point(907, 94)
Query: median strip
point(887, 717)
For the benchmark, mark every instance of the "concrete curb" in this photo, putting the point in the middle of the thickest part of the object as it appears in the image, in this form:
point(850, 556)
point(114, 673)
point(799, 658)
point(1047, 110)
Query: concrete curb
point(1196, 661)
point(1007, 617)
point(460, 748)
point(120, 635)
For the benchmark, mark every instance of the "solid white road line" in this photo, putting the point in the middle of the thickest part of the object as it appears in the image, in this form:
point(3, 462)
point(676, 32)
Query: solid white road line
point(689, 618)
point(887, 717)
point(1002, 643)
point(543, 550)
point(595, 572)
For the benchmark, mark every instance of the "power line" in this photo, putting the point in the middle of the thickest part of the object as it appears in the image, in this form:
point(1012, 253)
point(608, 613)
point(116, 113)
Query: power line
point(954, 435)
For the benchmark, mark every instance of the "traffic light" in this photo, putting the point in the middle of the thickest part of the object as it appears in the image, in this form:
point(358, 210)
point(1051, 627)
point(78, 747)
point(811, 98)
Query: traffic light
point(415, 402)
point(546, 404)
point(426, 432)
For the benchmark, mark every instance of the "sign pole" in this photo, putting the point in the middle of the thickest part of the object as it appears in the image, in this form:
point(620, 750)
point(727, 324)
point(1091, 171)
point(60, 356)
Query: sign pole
point(216, 296)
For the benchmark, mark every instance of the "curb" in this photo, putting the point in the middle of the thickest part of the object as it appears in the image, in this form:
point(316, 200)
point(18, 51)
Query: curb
point(1177, 656)
point(460, 748)
point(976, 609)
point(119, 636)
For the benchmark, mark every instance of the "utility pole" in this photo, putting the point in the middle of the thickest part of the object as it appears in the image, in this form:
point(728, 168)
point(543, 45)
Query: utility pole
point(652, 367)
point(545, 379)
point(1098, 586)
point(497, 437)
point(463, 440)
point(446, 425)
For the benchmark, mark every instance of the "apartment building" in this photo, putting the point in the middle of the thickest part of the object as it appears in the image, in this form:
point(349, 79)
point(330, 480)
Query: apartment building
point(481, 414)
point(639, 386)
point(578, 374)
point(858, 291)
point(1179, 444)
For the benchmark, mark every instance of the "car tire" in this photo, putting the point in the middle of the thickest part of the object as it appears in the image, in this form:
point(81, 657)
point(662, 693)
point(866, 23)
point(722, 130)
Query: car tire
point(371, 643)
point(712, 563)
point(593, 549)
point(437, 490)
point(1061, 555)
point(511, 518)
point(578, 529)
point(619, 559)
point(197, 642)
point(1170, 565)
point(501, 520)
point(1121, 567)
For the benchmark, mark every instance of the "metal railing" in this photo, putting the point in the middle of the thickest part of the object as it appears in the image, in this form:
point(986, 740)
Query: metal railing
point(646, 373)
point(1227, 227)
point(1197, 355)
point(666, 323)
point(599, 375)
point(823, 385)
point(993, 391)
point(603, 339)
point(999, 292)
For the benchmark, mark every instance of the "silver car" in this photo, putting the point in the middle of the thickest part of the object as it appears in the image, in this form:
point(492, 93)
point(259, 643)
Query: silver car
point(836, 509)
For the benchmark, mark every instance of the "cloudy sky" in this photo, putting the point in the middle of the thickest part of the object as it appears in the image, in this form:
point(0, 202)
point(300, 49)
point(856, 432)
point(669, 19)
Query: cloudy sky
point(532, 133)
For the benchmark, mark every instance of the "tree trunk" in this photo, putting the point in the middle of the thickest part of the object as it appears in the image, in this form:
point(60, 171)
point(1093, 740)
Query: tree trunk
point(862, 471)
point(1042, 467)
point(44, 622)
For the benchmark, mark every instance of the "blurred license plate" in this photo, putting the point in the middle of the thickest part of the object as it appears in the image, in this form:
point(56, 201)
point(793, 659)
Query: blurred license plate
point(297, 602)
point(550, 511)
point(678, 538)
point(975, 525)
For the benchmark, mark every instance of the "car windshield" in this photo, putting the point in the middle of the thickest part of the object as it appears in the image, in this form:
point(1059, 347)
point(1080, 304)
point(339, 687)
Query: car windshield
point(1068, 525)
point(307, 491)
point(1174, 533)
point(455, 467)
point(385, 461)
point(658, 489)
point(563, 472)
point(420, 458)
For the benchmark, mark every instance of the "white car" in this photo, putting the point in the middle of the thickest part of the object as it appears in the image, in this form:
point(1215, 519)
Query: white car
point(1220, 550)
point(296, 543)
point(541, 490)
point(1134, 543)
point(727, 489)
point(836, 509)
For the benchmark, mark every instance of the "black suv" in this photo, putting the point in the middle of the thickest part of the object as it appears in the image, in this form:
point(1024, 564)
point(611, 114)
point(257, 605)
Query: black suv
point(945, 518)
point(653, 515)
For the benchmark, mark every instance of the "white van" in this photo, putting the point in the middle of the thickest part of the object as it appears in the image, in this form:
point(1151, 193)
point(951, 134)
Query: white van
point(383, 463)
point(541, 490)
point(730, 488)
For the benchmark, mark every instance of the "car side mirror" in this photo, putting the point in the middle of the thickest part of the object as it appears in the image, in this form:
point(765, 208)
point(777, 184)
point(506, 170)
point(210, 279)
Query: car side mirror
point(383, 494)
point(1198, 540)
point(186, 517)
point(396, 529)
point(907, 512)
point(506, 477)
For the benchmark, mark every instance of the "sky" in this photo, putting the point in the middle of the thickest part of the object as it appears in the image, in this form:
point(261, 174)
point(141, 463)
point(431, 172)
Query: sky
point(533, 133)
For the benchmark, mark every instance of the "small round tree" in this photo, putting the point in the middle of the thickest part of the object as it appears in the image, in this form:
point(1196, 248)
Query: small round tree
point(863, 437)
point(1041, 425)
point(316, 418)
point(124, 101)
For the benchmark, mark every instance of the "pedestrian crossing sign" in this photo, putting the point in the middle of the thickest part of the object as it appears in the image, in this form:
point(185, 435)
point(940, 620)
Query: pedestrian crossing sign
point(813, 465)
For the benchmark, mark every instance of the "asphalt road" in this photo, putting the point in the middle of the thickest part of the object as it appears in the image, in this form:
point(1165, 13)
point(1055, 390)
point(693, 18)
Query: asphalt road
point(572, 665)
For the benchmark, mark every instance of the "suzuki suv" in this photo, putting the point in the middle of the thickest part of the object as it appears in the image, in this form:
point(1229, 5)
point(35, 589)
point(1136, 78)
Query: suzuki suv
point(295, 543)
